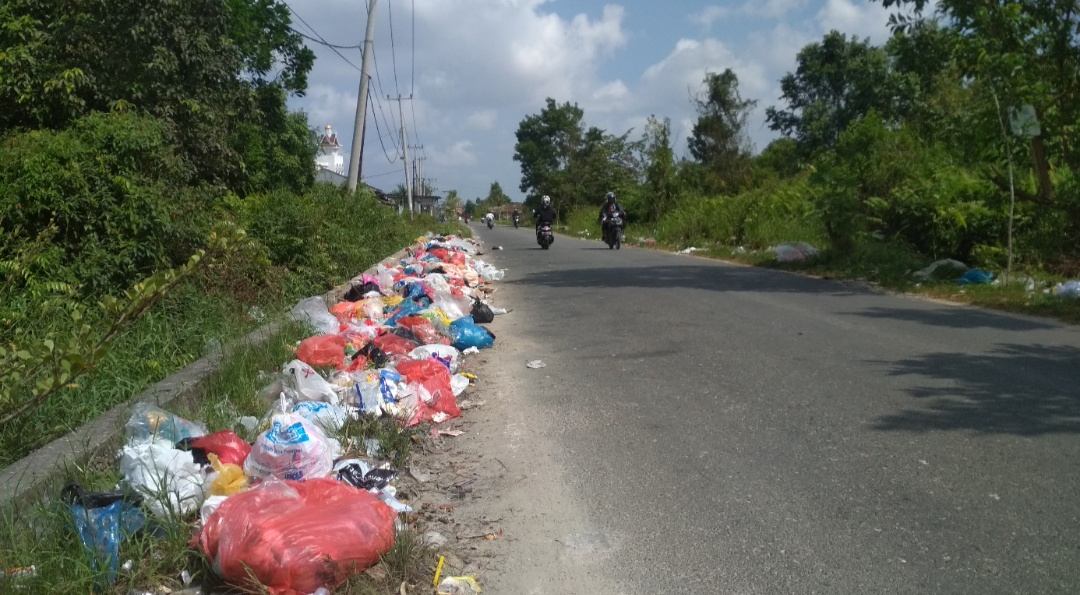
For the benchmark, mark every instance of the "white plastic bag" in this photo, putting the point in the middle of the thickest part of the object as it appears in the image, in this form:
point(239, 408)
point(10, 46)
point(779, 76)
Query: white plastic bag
point(313, 311)
point(794, 252)
point(440, 351)
point(293, 448)
point(302, 383)
point(168, 478)
point(329, 417)
point(377, 388)
point(1068, 289)
point(458, 384)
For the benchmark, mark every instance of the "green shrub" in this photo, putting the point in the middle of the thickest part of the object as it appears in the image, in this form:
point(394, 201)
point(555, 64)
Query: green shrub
point(116, 192)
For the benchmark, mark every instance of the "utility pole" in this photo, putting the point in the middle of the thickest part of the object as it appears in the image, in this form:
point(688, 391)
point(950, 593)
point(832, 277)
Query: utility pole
point(405, 147)
point(361, 102)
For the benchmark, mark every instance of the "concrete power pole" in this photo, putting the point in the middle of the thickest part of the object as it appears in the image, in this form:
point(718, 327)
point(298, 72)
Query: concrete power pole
point(361, 102)
point(405, 147)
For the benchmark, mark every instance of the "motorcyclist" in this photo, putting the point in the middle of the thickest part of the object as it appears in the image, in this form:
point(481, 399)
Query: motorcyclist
point(611, 207)
point(516, 215)
point(545, 213)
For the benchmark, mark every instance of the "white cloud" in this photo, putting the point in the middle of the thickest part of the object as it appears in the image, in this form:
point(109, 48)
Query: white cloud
point(483, 119)
point(460, 154)
point(865, 19)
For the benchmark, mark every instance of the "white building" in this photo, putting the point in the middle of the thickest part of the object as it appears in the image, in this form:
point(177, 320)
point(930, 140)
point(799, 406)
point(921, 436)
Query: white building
point(329, 156)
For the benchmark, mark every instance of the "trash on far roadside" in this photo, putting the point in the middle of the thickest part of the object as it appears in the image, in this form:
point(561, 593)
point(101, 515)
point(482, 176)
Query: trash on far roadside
point(794, 252)
point(1068, 289)
point(942, 269)
point(975, 277)
point(536, 364)
point(458, 585)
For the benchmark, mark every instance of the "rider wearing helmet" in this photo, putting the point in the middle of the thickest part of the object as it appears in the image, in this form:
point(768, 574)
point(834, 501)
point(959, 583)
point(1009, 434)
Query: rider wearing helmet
point(544, 214)
point(610, 206)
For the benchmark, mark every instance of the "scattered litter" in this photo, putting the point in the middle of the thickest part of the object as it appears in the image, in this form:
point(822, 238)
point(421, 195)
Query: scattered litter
point(451, 433)
point(248, 422)
point(372, 447)
point(313, 311)
point(535, 364)
point(419, 475)
point(25, 572)
point(293, 448)
point(434, 539)
point(948, 269)
point(168, 478)
point(102, 520)
point(468, 404)
point(458, 585)
point(149, 421)
point(689, 250)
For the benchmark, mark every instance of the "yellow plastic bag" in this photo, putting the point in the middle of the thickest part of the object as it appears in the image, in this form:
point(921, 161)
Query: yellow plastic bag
point(392, 300)
point(231, 479)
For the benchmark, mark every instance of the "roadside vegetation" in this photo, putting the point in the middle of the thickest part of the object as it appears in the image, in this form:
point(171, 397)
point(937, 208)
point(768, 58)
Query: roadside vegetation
point(953, 140)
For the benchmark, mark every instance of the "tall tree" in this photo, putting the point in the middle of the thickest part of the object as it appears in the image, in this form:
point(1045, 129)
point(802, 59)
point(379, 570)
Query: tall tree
point(838, 80)
point(496, 197)
point(719, 140)
point(661, 183)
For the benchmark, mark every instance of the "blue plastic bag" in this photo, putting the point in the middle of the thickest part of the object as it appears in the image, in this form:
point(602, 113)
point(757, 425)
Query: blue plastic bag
point(975, 277)
point(408, 308)
point(102, 522)
point(466, 333)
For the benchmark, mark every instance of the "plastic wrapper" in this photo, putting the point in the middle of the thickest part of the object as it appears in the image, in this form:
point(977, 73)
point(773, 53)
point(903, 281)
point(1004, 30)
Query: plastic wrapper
point(293, 448)
point(322, 350)
point(443, 352)
point(313, 311)
point(360, 474)
point(227, 479)
point(458, 585)
point(465, 334)
point(169, 479)
point(149, 421)
point(297, 537)
point(303, 383)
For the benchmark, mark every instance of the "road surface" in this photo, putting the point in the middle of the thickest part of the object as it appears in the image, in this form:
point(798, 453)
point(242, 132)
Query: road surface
point(703, 427)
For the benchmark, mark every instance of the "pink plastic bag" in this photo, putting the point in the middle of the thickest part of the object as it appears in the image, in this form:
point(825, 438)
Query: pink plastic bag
point(295, 537)
point(323, 350)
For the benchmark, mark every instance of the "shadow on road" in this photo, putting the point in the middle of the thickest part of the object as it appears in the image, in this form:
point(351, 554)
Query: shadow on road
point(984, 393)
point(714, 278)
point(961, 318)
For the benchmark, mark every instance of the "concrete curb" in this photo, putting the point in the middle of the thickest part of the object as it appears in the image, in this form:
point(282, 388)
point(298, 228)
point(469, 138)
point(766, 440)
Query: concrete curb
point(31, 476)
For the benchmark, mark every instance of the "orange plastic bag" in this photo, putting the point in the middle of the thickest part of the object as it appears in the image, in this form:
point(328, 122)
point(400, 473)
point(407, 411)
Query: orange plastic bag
point(323, 350)
point(394, 344)
point(295, 537)
point(435, 378)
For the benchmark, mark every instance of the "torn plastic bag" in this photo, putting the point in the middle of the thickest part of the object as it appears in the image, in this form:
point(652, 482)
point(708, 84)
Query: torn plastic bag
point(303, 383)
point(377, 388)
point(229, 448)
point(330, 418)
point(169, 479)
point(322, 350)
point(103, 520)
point(293, 448)
point(458, 383)
point(149, 421)
point(465, 334)
point(297, 537)
point(482, 313)
point(313, 311)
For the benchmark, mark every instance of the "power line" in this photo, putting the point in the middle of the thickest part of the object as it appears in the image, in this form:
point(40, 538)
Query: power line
point(329, 45)
point(320, 38)
point(393, 49)
point(378, 131)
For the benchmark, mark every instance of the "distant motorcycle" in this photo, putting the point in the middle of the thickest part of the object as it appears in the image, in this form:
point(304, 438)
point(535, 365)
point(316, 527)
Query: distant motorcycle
point(491, 223)
point(612, 231)
point(544, 237)
point(517, 221)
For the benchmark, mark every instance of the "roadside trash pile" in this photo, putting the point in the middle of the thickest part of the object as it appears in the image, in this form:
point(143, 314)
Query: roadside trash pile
point(300, 508)
point(959, 273)
point(793, 252)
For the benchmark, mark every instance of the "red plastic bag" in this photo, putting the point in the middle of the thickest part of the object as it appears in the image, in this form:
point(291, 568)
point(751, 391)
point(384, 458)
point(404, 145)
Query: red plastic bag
point(458, 258)
point(423, 329)
point(394, 344)
point(229, 448)
point(435, 377)
point(358, 363)
point(295, 537)
point(323, 350)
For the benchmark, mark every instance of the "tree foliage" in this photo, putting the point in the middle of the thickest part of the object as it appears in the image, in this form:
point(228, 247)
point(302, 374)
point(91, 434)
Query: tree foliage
point(719, 140)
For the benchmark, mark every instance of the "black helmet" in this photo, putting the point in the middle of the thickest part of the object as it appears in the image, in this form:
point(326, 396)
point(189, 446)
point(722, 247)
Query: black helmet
point(611, 197)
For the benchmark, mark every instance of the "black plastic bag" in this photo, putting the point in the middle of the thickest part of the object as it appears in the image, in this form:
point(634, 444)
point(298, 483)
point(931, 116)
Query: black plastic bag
point(375, 479)
point(482, 313)
point(357, 292)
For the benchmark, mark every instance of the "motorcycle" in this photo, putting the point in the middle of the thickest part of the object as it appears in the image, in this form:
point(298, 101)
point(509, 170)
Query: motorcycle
point(544, 237)
point(517, 221)
point(491, 223)
point(612, 231)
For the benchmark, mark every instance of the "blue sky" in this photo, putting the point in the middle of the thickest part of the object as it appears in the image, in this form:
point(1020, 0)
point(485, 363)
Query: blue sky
point(476, 68)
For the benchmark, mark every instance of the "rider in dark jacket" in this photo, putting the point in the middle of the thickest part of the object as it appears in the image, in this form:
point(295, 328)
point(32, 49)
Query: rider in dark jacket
point(544, 214)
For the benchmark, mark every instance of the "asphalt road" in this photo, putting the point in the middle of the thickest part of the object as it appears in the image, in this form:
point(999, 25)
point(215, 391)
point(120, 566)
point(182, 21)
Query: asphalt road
point(739, 430)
